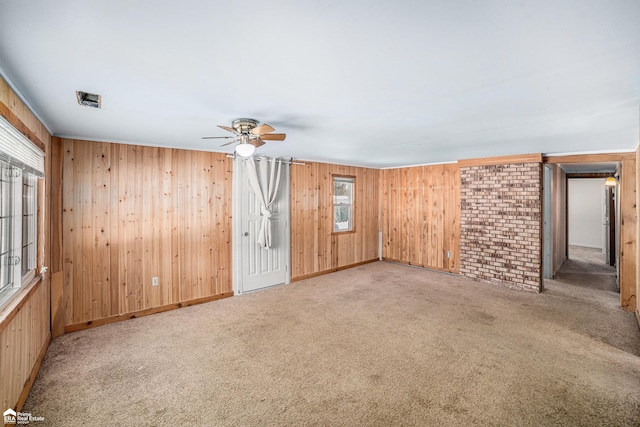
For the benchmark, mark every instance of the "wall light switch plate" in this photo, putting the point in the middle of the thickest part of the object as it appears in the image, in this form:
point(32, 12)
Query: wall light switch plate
point(155, 281)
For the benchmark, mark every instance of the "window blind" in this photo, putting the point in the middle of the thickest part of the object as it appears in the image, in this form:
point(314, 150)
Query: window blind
point(18, 151)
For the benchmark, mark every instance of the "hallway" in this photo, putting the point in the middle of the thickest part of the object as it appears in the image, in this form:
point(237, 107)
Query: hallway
point(591, 285)
point(586, 268)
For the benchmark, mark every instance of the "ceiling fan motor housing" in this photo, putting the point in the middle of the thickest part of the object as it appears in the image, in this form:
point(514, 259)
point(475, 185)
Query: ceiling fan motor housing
point(244, 126)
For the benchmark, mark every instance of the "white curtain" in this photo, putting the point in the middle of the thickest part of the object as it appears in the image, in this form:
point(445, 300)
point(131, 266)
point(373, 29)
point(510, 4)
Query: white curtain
point(264, 181)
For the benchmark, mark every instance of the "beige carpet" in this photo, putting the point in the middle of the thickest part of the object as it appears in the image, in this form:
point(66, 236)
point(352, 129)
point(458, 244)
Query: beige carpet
point(380, 344)
point(587, 267)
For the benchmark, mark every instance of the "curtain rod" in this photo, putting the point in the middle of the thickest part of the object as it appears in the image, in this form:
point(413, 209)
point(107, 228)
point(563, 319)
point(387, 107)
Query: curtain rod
point(286, 162)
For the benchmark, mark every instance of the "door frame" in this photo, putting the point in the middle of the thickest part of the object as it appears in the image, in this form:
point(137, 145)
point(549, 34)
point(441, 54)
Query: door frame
point(547, 220)
point(610, 217)
point(624, 207)
point(236, 225)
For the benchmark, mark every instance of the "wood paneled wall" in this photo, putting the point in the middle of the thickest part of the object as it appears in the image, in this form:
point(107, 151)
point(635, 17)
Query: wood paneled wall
point(559, 217)
point(628, 234)
point(315, 248)
point(420, 216)
point(637, 236)
point(25, 323)
point(23, 342)
point(131, 213)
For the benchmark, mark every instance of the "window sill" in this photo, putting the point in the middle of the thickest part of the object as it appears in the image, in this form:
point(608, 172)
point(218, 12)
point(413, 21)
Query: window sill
point(8, 312)
point(344, 232)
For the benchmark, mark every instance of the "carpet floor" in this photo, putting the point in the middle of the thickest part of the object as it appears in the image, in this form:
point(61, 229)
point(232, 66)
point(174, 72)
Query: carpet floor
point(379, 344)
point(586, 267)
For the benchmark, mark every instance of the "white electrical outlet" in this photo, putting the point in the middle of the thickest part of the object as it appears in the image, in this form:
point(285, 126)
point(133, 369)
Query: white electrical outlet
point(448, 254)
point(155, 281)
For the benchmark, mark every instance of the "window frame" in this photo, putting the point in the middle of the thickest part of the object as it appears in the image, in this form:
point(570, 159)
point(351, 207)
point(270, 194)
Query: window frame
point(21, 202)
point(30, 201)
point(352, 180)
point(8, 231)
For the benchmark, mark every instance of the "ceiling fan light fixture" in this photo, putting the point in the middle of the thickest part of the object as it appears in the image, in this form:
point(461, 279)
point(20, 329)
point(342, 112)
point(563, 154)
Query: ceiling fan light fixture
point(248, 135)
point(245, 149)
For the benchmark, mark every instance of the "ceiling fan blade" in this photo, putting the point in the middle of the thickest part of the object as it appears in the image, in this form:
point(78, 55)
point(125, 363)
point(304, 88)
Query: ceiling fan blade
point(228, 129)
point(218, 137)
point(262, 129)
point(257, 142)
point(231, 142)
point(274, 136)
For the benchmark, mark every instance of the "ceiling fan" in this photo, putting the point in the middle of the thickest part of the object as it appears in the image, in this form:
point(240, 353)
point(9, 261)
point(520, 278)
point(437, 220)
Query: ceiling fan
point(248, 135)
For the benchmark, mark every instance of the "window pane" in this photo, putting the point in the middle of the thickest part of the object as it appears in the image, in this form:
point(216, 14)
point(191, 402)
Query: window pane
point(6, 227)
point(29, 194)
point(342, 217)
point(342, 191)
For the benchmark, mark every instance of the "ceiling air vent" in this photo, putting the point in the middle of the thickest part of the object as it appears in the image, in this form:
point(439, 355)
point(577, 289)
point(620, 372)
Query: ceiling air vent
point(89, 99)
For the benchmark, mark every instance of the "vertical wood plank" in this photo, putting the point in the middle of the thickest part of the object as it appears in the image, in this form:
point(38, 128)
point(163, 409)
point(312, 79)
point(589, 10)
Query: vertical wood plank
point(628, 235)
point(85, 303)
point(164, 227)
point(125, 205)
point(100, 212)
point(114, 226)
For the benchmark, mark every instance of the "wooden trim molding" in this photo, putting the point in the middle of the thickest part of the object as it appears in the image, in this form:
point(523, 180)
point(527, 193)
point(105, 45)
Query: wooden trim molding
point(430, 268)
point(337, 233)
point(589, 158)
point(332, 270)
point(57, 304)
point(502, 160)
point(628, 235)
point(127, 316)
point(590, 175)
point(32, 376)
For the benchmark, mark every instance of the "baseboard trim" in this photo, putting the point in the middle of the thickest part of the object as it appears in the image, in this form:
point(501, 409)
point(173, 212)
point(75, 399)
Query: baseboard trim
point(332, 270)
point(439, 270)
point(32, 376)
point(127, 316)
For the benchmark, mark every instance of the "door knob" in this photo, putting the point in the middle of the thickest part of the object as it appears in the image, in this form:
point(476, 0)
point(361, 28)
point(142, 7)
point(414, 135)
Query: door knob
point(246, 233)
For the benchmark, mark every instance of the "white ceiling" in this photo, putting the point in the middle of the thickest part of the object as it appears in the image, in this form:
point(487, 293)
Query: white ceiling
point(372, 83)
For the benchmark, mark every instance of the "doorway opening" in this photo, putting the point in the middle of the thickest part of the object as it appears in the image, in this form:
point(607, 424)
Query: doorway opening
point(581, 225)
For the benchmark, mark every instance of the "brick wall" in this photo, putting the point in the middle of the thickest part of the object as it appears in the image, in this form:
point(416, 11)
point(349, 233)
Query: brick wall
point(501, 224)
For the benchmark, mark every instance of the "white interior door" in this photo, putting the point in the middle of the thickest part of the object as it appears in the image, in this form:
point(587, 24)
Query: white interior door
point(258, 268)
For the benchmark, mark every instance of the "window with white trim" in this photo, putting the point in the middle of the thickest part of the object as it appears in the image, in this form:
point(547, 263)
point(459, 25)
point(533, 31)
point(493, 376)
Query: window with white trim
point(21, 164)
point(343, 203)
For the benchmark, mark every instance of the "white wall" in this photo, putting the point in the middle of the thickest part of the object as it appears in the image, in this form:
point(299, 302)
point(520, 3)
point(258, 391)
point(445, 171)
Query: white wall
point(586, 212)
